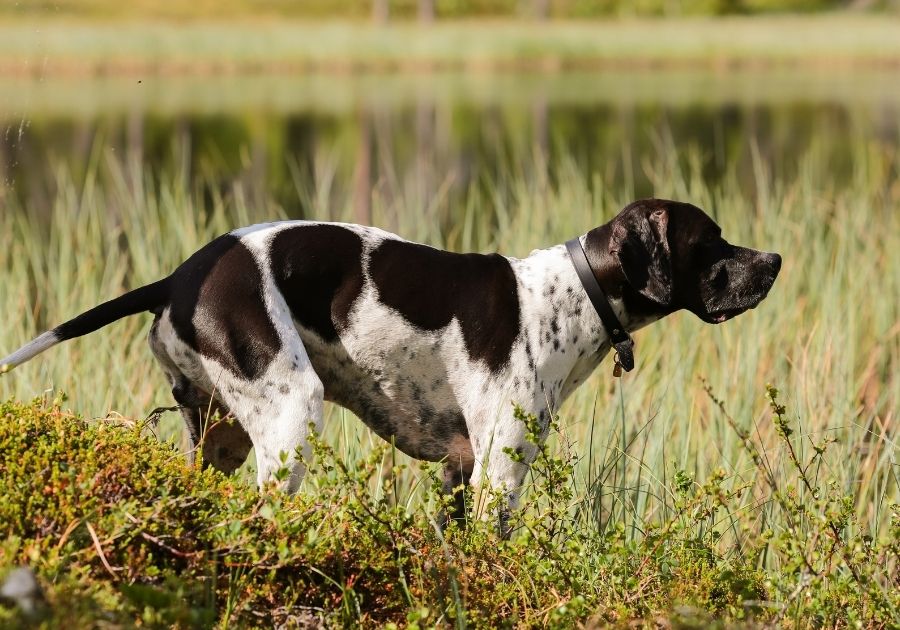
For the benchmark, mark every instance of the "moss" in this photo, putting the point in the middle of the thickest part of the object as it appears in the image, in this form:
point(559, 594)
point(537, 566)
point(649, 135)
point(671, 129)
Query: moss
point(122, 532)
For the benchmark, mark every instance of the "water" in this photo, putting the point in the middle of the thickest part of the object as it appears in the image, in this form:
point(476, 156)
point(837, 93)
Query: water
point(431, 137)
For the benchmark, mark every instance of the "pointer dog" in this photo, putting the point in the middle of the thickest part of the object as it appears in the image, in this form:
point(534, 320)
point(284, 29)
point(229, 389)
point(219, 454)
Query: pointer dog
point(428, 348)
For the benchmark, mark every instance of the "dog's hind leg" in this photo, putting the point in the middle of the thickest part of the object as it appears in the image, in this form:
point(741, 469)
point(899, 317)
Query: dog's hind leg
point(214, 433)
point(233, 335)
point(221, 442)
point(277, 410)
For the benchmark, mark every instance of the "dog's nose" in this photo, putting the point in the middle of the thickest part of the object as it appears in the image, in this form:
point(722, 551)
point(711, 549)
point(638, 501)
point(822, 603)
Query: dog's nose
point(775, 261)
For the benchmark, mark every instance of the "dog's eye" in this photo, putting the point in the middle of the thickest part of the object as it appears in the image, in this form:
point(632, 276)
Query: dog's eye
point(726, 249)
point(716, 250)
point(708, 254)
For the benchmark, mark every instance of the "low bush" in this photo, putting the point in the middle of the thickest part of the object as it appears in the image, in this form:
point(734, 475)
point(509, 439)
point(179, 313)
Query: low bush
point(121, 532)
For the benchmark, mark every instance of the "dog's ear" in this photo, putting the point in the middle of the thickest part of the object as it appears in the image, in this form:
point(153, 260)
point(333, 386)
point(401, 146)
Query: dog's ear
point(640, 243)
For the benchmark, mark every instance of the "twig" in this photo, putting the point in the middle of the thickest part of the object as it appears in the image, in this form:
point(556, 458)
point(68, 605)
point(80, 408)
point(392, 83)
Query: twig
point(99, 549)
point(68, 532)
point(169, 548)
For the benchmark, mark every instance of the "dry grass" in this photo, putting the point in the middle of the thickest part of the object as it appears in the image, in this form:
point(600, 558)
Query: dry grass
point(823, 336)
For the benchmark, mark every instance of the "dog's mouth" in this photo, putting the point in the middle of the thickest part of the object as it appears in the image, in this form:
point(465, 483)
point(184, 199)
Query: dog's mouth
point(739, 301)
point(723, 315)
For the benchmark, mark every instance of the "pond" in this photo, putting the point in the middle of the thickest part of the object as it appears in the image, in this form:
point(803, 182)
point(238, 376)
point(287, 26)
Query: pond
point(435, 136)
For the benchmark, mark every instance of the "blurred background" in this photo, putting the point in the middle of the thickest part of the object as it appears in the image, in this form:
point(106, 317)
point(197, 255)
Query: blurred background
point(132, 133)
point(361, 102)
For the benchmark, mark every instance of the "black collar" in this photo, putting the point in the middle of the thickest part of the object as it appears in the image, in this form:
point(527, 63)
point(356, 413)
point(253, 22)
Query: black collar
point(621, 340)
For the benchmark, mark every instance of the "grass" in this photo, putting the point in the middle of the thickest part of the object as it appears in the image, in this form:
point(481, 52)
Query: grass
point(122, 532)
point(666, 503)
point(46, 46)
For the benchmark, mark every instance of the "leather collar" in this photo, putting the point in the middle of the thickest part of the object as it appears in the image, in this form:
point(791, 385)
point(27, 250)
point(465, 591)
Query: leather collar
point(621, 340)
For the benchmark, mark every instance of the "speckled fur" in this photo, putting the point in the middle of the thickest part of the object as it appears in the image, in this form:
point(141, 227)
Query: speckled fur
point(420, 389)
point(431, 349)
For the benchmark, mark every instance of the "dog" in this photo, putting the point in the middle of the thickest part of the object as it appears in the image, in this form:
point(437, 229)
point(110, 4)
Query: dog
point(429, 348)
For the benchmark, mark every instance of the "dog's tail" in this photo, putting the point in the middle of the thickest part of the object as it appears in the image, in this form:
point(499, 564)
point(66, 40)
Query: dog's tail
point(152, 297)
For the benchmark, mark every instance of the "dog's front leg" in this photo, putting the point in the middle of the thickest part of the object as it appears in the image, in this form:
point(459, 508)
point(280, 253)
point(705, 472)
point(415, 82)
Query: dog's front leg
point(503, 462)
point(505, 478)
point(456, 481)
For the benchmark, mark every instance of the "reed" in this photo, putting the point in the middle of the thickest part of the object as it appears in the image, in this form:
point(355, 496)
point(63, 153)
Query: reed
point(828, 335)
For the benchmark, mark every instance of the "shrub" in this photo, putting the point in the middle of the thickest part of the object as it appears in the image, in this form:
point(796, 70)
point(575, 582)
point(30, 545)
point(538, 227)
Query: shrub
point(121, 531)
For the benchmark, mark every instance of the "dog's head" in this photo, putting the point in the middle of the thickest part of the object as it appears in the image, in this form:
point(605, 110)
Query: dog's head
point(672, 256)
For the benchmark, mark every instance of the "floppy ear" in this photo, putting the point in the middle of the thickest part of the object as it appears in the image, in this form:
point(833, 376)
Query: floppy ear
point(641, 245)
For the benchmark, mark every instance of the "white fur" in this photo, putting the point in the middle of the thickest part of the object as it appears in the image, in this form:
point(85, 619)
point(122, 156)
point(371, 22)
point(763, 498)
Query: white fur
point(405, 367)
point(389, 372)
point(28, 351)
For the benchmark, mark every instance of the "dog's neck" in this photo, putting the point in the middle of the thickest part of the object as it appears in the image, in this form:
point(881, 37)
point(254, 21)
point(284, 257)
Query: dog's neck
point(567, 338)
point(603, 263)
point(631, 305)
point(553, 270)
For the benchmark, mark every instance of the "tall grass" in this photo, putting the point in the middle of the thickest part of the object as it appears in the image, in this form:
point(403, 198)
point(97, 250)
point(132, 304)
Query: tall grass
point(828, 335)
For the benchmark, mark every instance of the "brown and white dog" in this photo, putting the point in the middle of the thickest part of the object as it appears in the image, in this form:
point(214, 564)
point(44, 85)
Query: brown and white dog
point(429, 348)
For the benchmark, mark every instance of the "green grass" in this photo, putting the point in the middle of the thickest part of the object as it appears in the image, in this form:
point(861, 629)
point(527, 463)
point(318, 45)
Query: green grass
point(44, 46)
point(651, 540)
point(121, 532)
